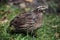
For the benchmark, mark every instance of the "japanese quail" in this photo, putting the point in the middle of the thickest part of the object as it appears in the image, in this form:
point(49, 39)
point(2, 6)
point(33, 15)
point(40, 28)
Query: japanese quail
point(28, 21)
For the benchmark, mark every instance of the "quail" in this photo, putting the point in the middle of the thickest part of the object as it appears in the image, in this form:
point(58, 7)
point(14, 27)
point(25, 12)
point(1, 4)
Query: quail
point(28, 21)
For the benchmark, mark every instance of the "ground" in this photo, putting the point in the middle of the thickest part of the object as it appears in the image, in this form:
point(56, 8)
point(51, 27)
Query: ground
point(49, 31)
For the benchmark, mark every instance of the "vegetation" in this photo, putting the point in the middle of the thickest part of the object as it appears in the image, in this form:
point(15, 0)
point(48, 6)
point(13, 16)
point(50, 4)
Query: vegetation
point(50, 29)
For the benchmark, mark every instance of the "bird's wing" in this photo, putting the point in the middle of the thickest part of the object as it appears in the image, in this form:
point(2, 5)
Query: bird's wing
point(23, 20)
point(27, 20)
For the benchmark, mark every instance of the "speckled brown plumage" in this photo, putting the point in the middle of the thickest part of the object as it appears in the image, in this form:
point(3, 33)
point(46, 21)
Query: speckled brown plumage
point(27, 21)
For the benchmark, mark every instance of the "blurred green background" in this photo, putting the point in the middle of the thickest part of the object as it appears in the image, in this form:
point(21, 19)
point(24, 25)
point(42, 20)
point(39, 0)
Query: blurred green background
point(51, 23)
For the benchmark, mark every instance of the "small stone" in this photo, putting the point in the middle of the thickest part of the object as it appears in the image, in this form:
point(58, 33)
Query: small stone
point(55, 26)
point(57, 35)
point(22, 5)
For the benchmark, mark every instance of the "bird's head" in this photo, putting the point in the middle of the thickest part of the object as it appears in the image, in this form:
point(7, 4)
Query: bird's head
point(41, 8)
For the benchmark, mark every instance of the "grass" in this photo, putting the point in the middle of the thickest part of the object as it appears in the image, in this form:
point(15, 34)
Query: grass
point(49, 31)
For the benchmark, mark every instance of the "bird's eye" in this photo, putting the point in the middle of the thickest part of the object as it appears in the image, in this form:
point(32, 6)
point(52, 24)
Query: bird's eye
point(40, 10)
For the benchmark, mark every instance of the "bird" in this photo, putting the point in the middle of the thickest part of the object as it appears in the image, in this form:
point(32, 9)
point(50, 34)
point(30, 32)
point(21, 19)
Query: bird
point(28, 22)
